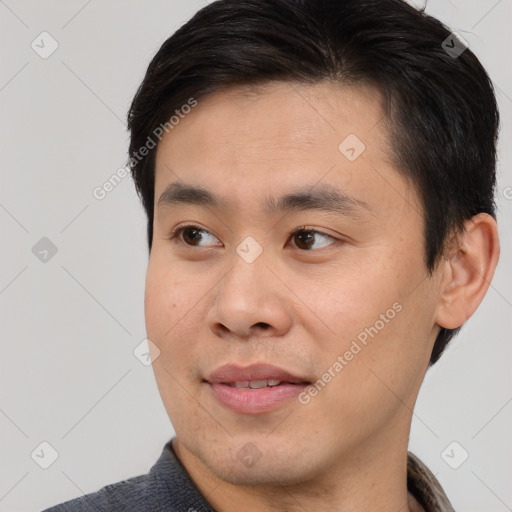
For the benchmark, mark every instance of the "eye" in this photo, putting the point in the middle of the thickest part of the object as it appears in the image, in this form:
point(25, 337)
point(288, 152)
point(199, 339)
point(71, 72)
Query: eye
point(307, 238)
point(190, 235)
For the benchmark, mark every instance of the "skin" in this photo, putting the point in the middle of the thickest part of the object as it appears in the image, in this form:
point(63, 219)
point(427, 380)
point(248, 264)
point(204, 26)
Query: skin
point(205, 305)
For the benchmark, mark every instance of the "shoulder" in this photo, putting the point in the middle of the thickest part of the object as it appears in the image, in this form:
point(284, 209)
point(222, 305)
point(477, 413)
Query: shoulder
point(167, 487)
point(125, 495)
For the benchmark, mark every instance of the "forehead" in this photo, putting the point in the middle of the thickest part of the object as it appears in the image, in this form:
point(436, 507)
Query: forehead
point(277, 113)
point(244, 141)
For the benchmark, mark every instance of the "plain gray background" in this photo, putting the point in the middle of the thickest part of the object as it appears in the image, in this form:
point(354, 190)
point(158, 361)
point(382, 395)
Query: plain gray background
point(70, 325)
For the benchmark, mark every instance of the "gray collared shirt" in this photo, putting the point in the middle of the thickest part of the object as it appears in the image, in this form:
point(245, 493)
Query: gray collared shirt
point(168, 488)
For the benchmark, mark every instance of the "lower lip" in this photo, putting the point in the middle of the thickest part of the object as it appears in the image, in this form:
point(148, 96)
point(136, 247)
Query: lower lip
point(254, 401)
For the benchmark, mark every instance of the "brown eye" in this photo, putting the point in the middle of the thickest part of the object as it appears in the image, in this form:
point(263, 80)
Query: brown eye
point(192, 236)
point(306, 238)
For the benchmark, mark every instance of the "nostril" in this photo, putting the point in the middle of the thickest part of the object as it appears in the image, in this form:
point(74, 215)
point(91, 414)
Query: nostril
point(263, 325)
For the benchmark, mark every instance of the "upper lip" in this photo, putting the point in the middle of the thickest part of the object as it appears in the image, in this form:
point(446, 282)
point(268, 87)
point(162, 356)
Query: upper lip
point(235, 373)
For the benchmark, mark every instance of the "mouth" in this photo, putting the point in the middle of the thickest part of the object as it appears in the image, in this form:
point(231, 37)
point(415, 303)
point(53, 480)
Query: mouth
point(254, 389)
point(259, 384)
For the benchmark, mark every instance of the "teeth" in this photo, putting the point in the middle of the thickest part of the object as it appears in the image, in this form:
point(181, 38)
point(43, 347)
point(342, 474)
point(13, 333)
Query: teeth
point(255, 384)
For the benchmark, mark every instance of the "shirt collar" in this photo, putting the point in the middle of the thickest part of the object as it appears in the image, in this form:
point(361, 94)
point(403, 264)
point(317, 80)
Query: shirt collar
point(425, 488)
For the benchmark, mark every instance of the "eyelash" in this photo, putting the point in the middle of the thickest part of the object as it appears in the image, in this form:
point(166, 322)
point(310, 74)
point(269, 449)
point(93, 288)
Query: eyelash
point(174, 236)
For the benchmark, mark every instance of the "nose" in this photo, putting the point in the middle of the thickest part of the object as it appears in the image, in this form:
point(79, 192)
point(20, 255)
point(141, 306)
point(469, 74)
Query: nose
point(250, 302)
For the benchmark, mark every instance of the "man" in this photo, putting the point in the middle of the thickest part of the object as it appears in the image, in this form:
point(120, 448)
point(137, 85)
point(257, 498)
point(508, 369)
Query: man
point(318, 177)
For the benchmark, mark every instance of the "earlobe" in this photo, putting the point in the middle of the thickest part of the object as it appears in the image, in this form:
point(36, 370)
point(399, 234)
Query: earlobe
point(468, 268)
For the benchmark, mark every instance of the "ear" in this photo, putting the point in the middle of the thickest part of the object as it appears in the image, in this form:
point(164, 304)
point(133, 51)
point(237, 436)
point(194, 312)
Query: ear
point(467, 270)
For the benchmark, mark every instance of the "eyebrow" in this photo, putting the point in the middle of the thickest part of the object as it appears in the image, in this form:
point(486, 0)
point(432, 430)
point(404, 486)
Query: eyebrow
point(321, 197)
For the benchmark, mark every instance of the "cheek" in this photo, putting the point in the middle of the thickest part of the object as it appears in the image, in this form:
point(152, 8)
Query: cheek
point(166, 304)
point(166, 300)
point(377, 378)
point(348, 299)
point(172, 308)
point(395, 350)
point(378, 314)
point(158, 306)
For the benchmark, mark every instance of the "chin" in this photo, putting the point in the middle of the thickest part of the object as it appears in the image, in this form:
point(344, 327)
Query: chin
point(271, 470)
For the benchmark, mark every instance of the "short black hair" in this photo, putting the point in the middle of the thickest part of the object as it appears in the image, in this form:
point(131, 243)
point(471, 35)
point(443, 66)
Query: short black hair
point(441, 113)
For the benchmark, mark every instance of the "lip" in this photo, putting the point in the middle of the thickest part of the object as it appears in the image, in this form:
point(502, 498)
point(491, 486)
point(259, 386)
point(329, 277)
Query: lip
point(254, 401)
point(230, 373)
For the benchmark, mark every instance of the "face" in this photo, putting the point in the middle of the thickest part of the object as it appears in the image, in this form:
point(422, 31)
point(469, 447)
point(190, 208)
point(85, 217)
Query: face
point(325, 291)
